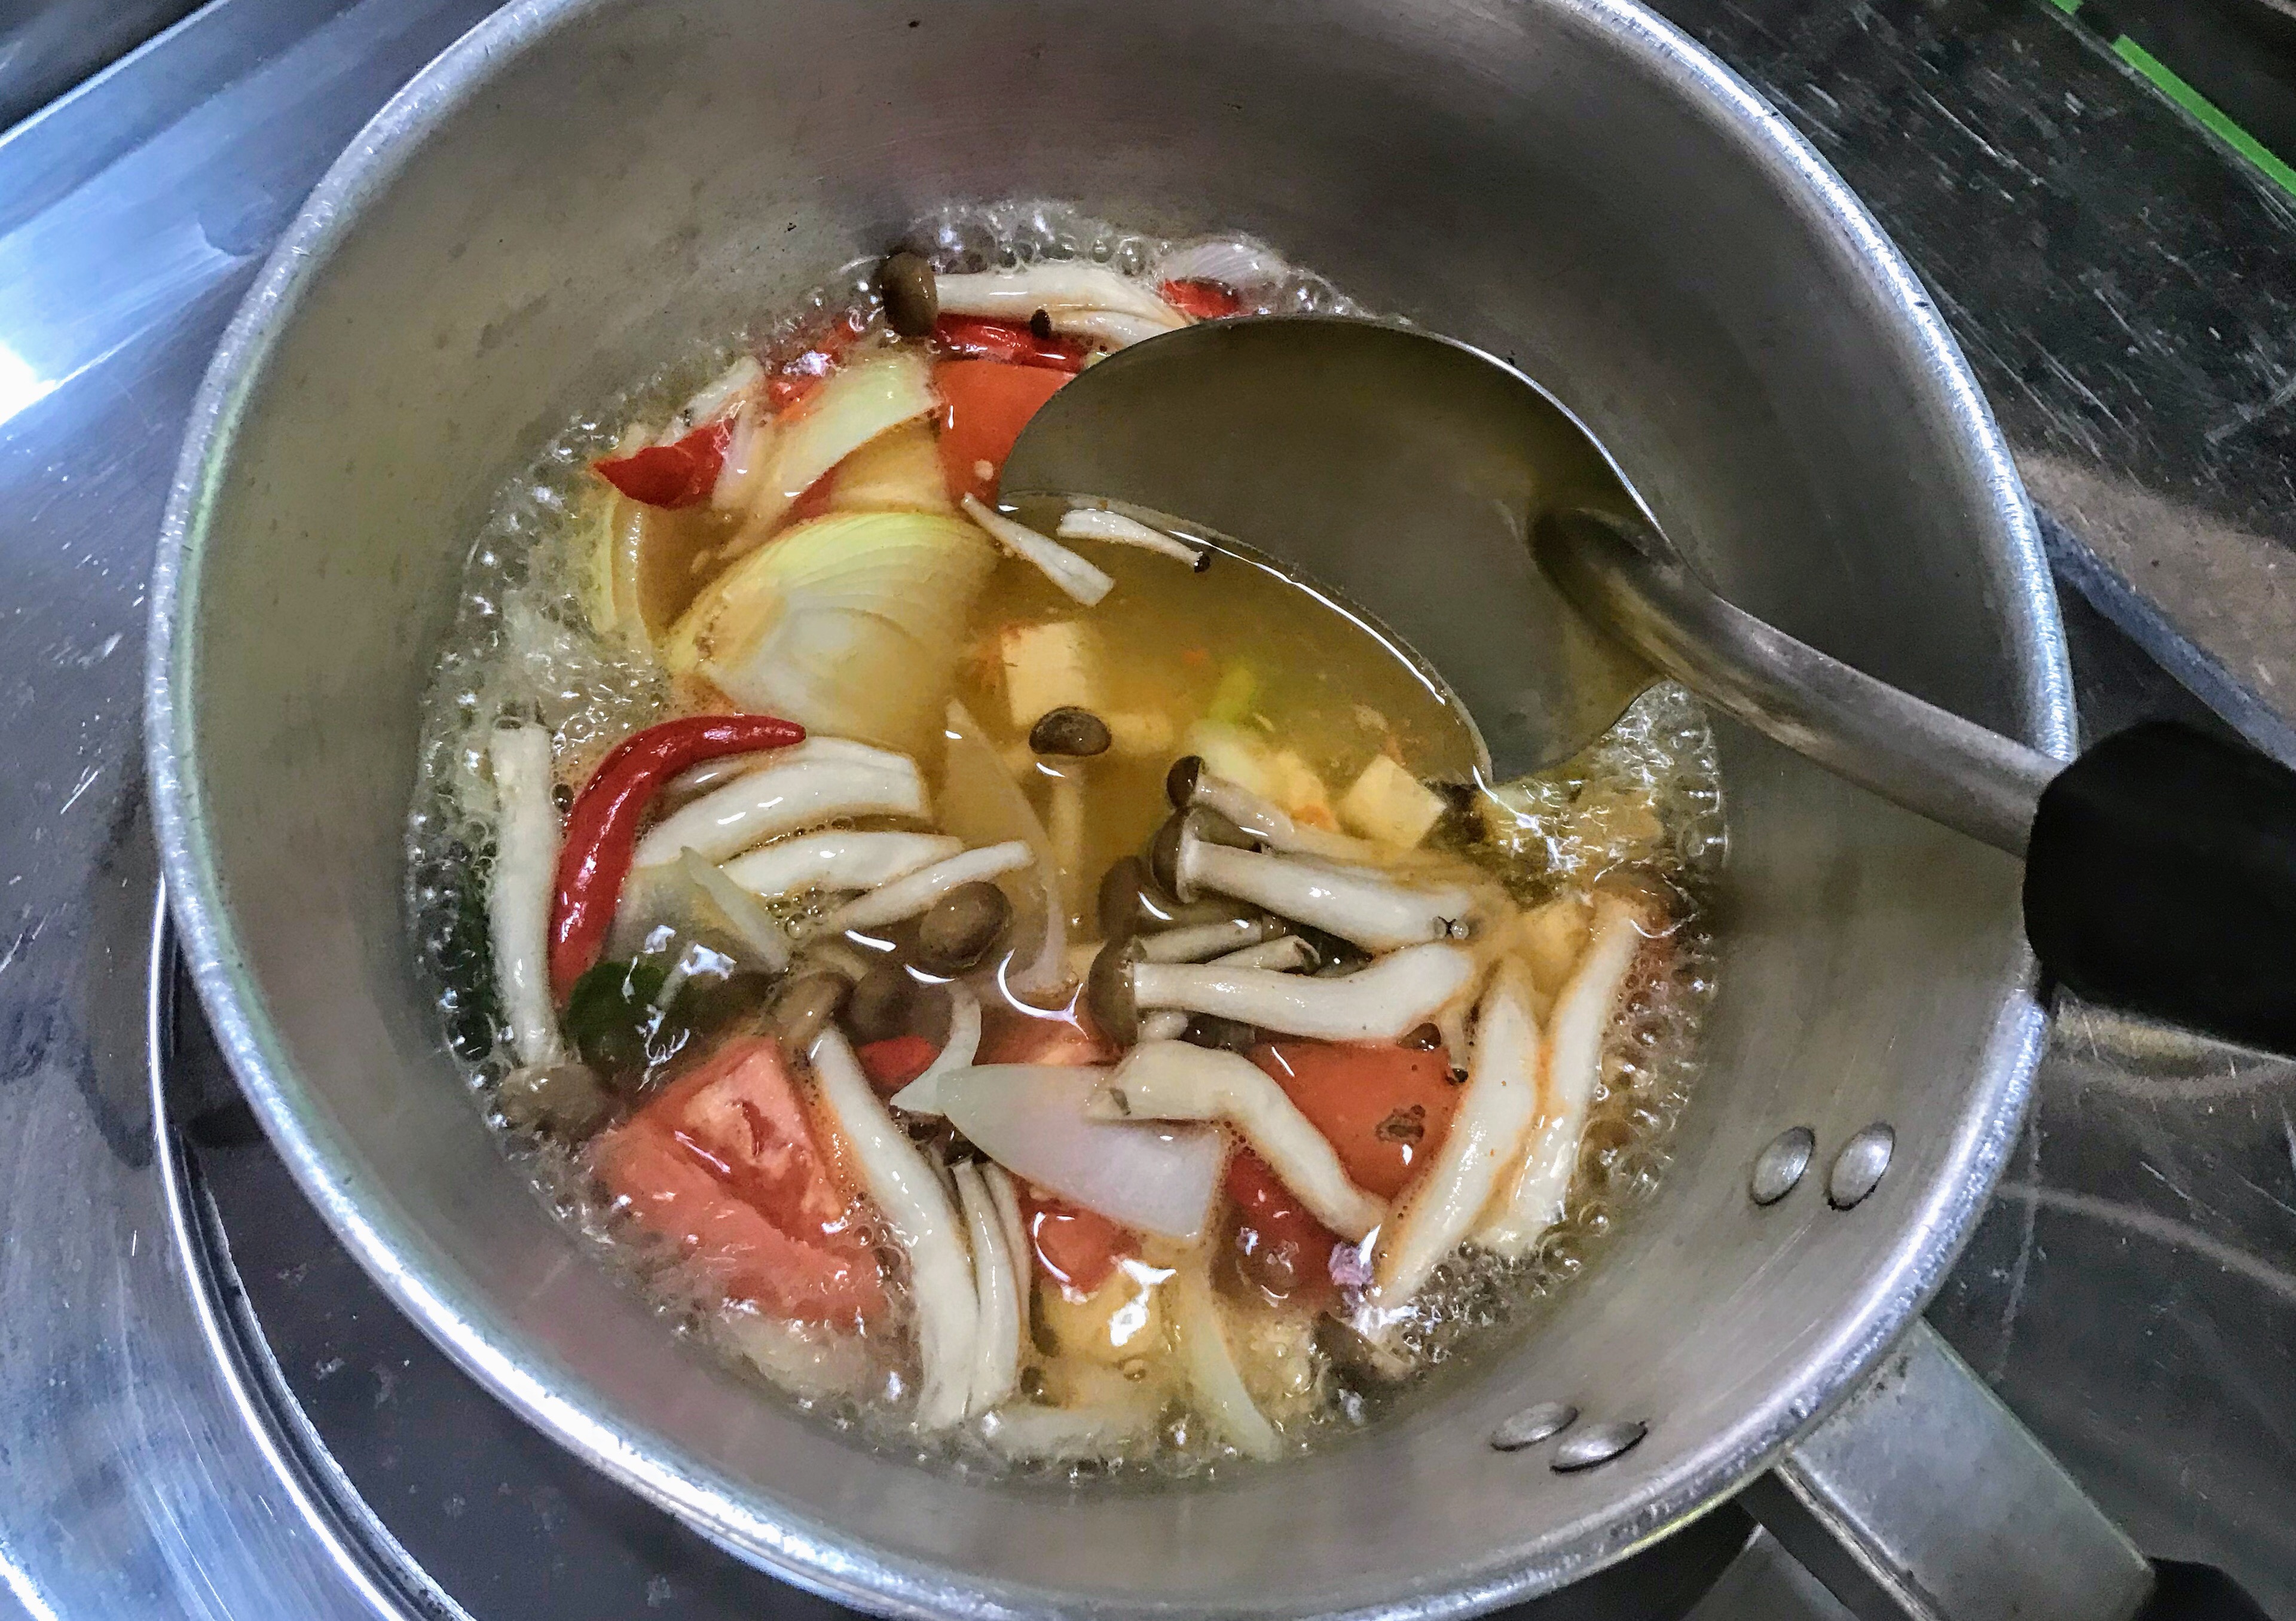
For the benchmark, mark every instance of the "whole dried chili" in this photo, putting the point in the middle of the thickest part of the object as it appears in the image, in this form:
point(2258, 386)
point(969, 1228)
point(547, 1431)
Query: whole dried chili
point(602, 830)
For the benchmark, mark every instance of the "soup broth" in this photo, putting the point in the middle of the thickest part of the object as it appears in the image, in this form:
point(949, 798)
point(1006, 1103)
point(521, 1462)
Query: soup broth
point(1044, 1058)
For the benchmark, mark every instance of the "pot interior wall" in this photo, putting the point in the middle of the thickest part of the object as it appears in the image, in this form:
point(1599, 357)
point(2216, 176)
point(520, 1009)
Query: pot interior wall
point(636, 176)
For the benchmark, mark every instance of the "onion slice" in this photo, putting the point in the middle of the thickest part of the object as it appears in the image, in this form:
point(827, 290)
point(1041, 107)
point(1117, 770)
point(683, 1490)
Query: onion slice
point(519, 895)
point(916, 1206)
point(1484, 1137)
point(1007, 1200)
point(857, 402)
point(1532, 1201)
point(1080, 579)
point(1030, 1119)
point(922, 1096)
point(1213, 1378)
point(1174, 1081)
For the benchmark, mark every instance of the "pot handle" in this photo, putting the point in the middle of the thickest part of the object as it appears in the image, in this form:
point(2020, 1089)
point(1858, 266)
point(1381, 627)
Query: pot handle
point(1923, 1499)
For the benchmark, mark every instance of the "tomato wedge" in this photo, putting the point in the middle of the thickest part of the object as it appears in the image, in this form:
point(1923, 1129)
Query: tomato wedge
point(1205, 301)
point(1008, 1036)
point(678, 474)
point(1384, 1108)
point(1077, 1248)
point(984, 405)
point(894, 1062)
point(725, 1165)
point(1279, 1245)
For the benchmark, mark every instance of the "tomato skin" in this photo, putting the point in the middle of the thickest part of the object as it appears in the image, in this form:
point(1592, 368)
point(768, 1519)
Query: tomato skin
point(1009, 1036)
point(682, 474)
point(974, 338)
point(1205, 301)
point(1384, 1108)
point(894, 1062)
point(1279, 1246)
point(984, 405)
point(725, 1164)
point(1079, 1249)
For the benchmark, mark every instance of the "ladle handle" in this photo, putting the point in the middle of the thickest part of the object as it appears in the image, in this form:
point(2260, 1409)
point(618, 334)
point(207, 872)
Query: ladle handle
point(2160, 866)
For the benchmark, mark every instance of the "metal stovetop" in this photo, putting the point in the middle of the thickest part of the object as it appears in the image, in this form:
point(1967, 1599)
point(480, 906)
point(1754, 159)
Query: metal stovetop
point(2123, 285)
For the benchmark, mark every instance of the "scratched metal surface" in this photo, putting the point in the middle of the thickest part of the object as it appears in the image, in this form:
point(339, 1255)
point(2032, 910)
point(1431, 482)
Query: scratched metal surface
point(2122, 288)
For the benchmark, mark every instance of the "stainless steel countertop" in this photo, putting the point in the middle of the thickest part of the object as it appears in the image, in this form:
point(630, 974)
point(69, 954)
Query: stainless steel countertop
point(2123, 287)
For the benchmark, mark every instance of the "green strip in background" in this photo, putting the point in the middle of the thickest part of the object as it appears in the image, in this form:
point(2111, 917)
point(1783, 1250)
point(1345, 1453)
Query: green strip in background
point(2170, 84)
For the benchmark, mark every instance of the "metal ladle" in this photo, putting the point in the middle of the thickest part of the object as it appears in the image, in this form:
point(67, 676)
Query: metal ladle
point(1447, 494)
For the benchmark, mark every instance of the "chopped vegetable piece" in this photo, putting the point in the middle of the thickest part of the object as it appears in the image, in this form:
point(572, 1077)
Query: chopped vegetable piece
point(1384, 1109)
point(1011, 344)
point(1047, 666)
point(1279, 1247)
point(519, 896)
point(867, 398)
point(1388, 803)
point(1077, 1248)
point(885, 592)
point(898, 471)
point(893, 1063)
point(1204, 300)
point(1009, 1036)
point(602, 832)
point(726, 1164)
point(984, 405)
point(1213, 1378)
point(680, 474)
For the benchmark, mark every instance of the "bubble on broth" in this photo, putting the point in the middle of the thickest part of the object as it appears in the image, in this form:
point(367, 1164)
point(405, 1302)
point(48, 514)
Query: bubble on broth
point(1644, 800)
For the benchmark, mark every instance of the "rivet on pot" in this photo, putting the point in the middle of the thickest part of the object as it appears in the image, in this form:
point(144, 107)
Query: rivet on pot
point(1598, 1444)
point(1533, 1425)
point(1779, 1167)
point(1857, 1169)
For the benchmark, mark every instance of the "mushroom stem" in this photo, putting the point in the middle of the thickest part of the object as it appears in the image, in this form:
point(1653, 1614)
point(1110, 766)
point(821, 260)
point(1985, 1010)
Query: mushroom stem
point(1164, 1025)
point(840, 860)
point(1082, 582)
point(1270, 823)
point(1532, 1200)
point(1173, 1081)
point(916, 1206)
point(1378, 1003)
point(1053, 287)
point(518, 896)
point(907, 897)
point(818, 781)
point(1374, 912)
point(996, 1340)
point(1213, 1378)
point(1283, 955)
point(1098, 523)
point(1484, 1136)
point(1201, 941)
point(1007, 1200)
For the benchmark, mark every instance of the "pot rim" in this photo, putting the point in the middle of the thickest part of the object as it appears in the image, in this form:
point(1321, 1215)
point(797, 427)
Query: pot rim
point(484, 1343)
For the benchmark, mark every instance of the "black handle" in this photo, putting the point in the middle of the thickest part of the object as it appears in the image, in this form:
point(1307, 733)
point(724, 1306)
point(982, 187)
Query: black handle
point(2162, 878)
point(2197, 1592)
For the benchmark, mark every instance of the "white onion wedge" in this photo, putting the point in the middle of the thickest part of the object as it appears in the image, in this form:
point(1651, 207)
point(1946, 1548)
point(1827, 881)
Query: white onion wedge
point(1173, 1081)
point(1016, 295)
point(981, 804)
point(1378, 1003)
point(1098, 523)
point(838, 860)
point(1062, 1434)
point(1486, 1135)
point(519, 894)
point(861, 400)
point(817, 781)
point(1083, 582)
point(1030, 1119)
point(922, 1096)
point(1213, 1378)
point(1532, 1200)
point(907, 897)
point(715, 398)
point(916, 1206)
point(996, 1339)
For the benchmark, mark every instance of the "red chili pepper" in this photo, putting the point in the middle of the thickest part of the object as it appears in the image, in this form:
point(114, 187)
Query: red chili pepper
point(601, 831)
point(678, 474)
point(977, 339)
point(1205, 301)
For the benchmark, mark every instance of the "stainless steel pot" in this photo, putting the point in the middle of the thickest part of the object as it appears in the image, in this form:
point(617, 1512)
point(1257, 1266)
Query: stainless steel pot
point(582, 184)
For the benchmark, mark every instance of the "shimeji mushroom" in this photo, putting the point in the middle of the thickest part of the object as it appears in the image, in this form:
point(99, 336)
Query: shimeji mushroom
point(1486, 1134)
point(907, 896)
point(519, 896)
point(1378, 1003)
point(1531, 1201)
point(1189, 784)
point(1201, 942)
point(1174, 1081)
point(823, 780)
point(1374, 911)
point(916, 1206)
point(996, 1339)
point(1099, 524)
point(1284, 954)
point(836, 859)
